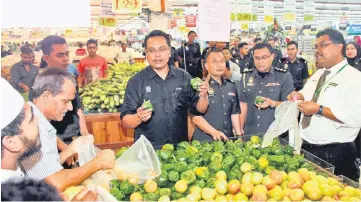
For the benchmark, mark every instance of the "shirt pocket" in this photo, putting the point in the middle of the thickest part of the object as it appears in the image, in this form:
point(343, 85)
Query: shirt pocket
point(180, 97)
point(272, 92)
point(249, 93)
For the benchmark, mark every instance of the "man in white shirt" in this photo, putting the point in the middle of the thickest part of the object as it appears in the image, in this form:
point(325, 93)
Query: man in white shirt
point(124, 55)
point(331, 107)
point(19, 132)
point(53, 92)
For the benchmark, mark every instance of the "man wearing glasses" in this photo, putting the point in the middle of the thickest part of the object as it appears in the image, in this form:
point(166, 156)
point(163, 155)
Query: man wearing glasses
point(93, 66)
point(271, 83)
point(169, 91)
point(331, 107)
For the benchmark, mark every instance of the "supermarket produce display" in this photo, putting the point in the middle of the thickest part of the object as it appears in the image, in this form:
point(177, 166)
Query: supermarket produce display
point(106, 95)
point(235, 170)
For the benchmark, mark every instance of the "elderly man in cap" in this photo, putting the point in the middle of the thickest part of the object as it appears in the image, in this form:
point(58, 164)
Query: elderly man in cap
point(19, 132)
point(53, 92)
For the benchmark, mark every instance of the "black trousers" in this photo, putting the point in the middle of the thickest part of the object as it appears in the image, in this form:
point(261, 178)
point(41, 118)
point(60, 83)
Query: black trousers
point(341, 155)
point(358, 145)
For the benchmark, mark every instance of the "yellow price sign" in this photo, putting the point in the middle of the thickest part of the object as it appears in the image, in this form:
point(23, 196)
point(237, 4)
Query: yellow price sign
point(254, 17)
point(308, 17)
point(244, 27)
point(244, 16)
point(233, 16)
point(108, 22)
point(289, 16)
point(268, 18)
point(182, 28)
point(129, 6)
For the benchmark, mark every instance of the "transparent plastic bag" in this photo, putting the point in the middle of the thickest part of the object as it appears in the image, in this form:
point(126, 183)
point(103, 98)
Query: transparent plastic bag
point(140, 162)
point(285, 119)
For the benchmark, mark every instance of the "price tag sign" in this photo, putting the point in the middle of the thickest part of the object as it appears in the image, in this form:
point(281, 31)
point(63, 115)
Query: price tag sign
point(244, 27)
point(233, 16)
point(127, 6)
point(244, 16)
point(308, 17)
point(289, 16)
point(268, 19)
point(107, 22)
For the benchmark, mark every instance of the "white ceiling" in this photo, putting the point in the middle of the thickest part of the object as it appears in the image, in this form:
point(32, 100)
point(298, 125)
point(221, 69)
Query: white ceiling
point(326, 10)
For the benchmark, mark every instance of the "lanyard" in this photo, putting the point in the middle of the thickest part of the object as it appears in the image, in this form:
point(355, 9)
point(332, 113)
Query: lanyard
point(320, 88)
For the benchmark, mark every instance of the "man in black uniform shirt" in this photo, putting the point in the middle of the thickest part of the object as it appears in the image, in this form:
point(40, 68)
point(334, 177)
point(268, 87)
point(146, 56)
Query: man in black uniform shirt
point(234, 48)
point(278, 54)
point(191, 51)
point(271, 83)
point(255, 41)
point(222, 115)
point(296, 66)
point(169, 91)
point(211, 46)
point(245, 62)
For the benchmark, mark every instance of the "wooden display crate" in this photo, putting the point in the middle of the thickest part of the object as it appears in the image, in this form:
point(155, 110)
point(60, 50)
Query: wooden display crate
point(107, 128)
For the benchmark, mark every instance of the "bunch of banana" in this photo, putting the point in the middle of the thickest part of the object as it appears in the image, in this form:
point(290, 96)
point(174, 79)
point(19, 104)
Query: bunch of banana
point(106, 95)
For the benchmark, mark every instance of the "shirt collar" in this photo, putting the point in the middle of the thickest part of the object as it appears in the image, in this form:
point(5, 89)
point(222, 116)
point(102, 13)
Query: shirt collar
point(152, 73)
point(213, 81)
point(42, 119)
point(7, 174)
point(337, 67)
point(296, 61)
point(271, 72)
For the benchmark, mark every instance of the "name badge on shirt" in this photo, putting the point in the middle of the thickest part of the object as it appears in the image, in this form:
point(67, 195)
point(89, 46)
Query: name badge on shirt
point(148, 89)
point(231, 94)
point(187, 48)
point(273, 84)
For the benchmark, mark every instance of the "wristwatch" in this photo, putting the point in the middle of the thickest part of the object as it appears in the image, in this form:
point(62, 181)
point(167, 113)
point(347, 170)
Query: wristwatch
point(320, 111)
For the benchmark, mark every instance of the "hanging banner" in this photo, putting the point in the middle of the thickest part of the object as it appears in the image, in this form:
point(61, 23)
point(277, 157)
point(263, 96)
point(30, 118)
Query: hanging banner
point(181, 25)
point(177, 14)
point(254, 10)
point(245, 10)
point(127, 6)
point(268, 12)
point(107, 22)
point(191, 20)
point(289, 14)
point(308, 10)
point(106, 9)
point(214, 20)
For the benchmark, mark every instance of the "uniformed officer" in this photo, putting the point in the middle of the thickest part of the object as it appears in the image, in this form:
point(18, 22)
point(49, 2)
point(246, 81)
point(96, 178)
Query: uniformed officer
point(255, 41)
point(234, 48)
point(278, 54)
point(169, 91)
point(271, 83)
point(245, 62)
point(190, 54)
point(211, 45)
point(223, 110)
point(296, 66)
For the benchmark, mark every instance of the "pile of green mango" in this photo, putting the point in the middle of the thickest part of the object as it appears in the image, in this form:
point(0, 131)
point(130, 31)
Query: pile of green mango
point(106, 95)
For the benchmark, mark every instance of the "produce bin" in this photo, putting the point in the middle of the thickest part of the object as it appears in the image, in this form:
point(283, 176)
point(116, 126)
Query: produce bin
point(347, 181)
point(320, 165)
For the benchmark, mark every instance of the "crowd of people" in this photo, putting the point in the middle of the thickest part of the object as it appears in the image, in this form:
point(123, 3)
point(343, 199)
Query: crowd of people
point(40, 137)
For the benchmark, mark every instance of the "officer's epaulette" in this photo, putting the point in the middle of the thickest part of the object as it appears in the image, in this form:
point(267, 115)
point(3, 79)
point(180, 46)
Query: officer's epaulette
point(283, 60)
point(303, 60)
point(281, 69)
point(246, 70)
point(229, 80)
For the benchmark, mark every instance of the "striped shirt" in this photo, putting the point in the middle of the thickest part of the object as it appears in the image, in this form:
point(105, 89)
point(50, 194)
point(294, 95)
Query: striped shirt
point(47, 162)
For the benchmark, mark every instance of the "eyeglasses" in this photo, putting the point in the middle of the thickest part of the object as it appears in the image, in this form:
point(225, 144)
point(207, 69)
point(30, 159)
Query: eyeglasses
point(160, 50)
point(265, 57)
point(323, 45)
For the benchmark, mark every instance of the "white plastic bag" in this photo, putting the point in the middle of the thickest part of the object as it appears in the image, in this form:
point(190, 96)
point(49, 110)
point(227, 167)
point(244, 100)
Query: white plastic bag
point(99, 181)
point(285, 119)
point(140, 160)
